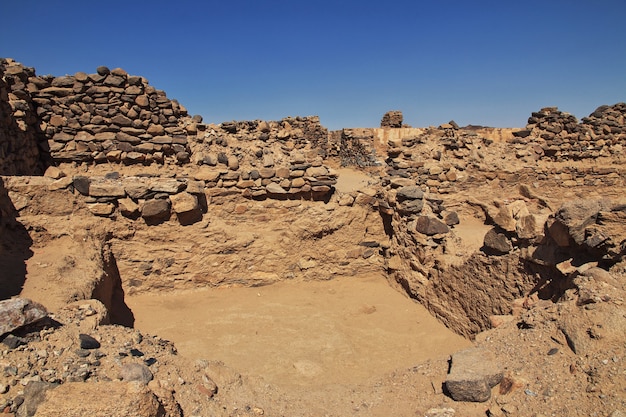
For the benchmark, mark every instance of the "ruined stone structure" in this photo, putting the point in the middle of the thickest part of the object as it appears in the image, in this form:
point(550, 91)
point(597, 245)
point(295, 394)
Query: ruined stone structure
point(392, 119)
point(135, 194)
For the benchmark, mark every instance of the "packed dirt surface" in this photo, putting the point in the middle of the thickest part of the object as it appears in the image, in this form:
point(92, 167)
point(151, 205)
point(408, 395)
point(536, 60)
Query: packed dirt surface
point(313, 334)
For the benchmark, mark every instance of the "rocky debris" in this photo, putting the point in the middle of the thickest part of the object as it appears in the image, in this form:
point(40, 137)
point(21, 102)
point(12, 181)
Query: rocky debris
point(392, 119)
point(18, 312)
point(472, 375)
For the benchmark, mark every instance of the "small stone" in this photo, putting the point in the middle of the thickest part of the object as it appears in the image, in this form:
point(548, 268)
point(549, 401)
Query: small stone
point(13, 341)
point(102, 70)
point(136, 352)
point(88, 342)
point(82, 353)
point(553, 351)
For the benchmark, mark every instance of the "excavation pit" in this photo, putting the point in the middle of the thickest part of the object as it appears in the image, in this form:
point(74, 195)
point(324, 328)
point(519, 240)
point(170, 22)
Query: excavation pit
point(344, 331)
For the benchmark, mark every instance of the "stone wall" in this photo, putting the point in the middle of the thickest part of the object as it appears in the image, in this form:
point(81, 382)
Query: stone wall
point(109, 116)
point(22, 144)
point(559, 136)
point(113, 117)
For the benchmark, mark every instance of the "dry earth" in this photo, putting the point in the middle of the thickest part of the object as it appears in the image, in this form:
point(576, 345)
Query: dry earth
point(330, 337)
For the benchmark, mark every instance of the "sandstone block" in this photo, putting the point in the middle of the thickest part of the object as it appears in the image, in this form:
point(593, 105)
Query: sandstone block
point(316, 171)
point(60, 184)
point(54, 172)
point(472, 375)
point(184, 202)
point(128, 207)
point(106, 189)
point(207, 174)
point(166, 185)
point(101, 209)
point(233, 163)
point(274, 188)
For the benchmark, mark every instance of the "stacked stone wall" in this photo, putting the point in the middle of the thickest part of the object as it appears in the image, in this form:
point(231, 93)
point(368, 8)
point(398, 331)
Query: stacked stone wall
point(560, 136)
point(22, 144)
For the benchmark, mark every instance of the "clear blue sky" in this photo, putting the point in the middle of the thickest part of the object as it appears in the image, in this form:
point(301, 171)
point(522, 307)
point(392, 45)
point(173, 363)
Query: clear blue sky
point(477, 62)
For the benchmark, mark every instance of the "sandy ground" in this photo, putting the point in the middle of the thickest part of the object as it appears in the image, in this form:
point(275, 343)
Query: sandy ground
point(344, 331)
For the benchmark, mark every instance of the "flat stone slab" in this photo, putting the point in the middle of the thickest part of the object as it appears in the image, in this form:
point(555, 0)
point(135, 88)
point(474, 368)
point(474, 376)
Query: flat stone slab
point(472, 375)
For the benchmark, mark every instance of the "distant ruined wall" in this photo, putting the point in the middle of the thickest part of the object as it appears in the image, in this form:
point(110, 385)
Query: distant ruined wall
point(559, 136)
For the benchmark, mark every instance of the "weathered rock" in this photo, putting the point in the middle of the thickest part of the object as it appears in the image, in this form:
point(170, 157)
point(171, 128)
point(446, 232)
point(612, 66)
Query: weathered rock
point(156, 211)
point(34, 394)
point(497, 242)
point(575, 216)
point(451, 218)
point(472, 375)
point(101, 209)
point(81, 184)
point(106, 189)
point(136, 372)
point(128, 207)
point(412, 192)
point(18, 312)
point(274, 188)
point(408, 207)
point(88, 342)
point(430, 226)
point(112, 399)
